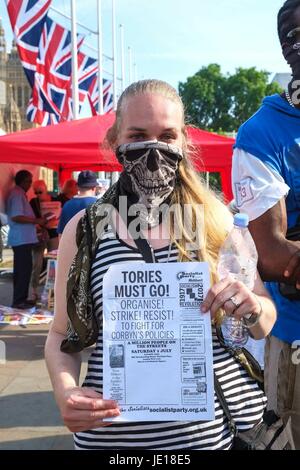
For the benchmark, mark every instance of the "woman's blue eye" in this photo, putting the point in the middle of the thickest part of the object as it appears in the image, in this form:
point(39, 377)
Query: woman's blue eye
point(137, 136)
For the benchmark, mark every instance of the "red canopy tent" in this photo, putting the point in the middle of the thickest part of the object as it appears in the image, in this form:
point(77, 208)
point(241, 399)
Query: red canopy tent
point(213, 154)
point(76, 145)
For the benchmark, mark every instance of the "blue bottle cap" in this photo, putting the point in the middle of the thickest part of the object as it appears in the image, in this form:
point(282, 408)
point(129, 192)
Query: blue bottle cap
point(241, 220)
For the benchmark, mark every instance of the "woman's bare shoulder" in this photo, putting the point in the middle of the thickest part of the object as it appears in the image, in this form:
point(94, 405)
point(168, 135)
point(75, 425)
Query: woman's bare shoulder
point(68, 238)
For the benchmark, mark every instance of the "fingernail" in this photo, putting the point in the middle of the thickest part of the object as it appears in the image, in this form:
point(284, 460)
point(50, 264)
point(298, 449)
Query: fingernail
point(203, 308)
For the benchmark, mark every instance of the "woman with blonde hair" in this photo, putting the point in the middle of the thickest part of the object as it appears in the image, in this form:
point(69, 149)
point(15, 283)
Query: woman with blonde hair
point(149, 138)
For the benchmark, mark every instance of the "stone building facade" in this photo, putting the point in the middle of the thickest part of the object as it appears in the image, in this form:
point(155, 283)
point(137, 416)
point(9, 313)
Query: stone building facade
point(14, 89)
point(14, 96)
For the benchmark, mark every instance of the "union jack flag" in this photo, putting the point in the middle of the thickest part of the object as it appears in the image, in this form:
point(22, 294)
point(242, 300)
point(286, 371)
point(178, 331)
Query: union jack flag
point(88, 84)
point(27, 19)
point(45, 52)
point(87, 70)
point(88, 87)
point(107, 96)
point(51, 95)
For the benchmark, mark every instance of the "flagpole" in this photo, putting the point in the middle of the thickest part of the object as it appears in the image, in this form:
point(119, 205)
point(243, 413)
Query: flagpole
point(114, 54)
point(74, 62)
point(130, 64)
point(135, 71)
point(122, 57)
point(100, 52)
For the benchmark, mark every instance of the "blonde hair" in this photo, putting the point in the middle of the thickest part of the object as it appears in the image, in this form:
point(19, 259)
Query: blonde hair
point(189, 190)
point(138, 88)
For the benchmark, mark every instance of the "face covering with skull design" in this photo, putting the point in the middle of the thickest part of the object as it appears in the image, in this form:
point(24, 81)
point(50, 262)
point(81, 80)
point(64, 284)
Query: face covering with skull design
point(149, 175)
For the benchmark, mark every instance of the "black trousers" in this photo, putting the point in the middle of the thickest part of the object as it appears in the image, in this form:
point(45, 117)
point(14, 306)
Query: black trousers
point(22, 272)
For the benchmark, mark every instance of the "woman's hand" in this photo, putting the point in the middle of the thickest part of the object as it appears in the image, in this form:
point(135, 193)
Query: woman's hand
point(233, 297)
point(83, 408)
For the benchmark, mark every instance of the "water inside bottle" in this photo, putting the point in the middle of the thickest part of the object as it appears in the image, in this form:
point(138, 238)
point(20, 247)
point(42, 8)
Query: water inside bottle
point(234, 332)
point(244, 270)
point(239, 267)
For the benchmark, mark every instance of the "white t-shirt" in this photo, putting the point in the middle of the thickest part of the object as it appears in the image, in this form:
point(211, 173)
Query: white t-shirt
point(255, 185)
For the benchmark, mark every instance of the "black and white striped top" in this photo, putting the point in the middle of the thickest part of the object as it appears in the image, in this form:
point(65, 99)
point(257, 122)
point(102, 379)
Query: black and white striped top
point(245, 399)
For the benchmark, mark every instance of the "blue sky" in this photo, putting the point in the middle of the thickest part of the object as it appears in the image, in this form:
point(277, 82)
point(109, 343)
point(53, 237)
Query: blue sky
point(173, 39)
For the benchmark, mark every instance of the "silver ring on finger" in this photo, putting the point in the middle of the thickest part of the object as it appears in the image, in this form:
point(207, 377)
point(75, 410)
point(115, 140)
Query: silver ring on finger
point(234, 301)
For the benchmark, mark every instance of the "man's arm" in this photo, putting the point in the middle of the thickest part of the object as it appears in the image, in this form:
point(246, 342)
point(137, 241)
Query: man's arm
point(274, 250)
point(16, 212)
point(24, 219)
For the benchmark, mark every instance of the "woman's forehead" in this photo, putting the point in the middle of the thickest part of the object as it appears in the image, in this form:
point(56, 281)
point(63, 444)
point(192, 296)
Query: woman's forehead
point(150, 107)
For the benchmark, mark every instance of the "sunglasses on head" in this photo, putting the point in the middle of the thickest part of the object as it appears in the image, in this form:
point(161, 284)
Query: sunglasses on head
point(38, 192)
point(291, 34)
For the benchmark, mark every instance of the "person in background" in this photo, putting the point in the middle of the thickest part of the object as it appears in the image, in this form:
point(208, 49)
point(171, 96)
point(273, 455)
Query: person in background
point(87, 184)
point(69, 190)
point(150, 140)
point(3, 222)
point(47, 237)
point(22, 236)
point(42, 195)
point(100, 190)
point(265, 178)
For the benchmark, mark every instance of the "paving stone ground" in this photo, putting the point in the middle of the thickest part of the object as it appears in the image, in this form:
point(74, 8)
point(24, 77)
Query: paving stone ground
point(29, 418)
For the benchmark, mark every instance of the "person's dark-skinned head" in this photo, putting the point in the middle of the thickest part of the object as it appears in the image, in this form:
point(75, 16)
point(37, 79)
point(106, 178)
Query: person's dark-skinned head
point(23, 179)
point(288, 23)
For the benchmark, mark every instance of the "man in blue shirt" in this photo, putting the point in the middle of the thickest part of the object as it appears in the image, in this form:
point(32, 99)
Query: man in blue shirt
point(266, 185)
point(22, 236)
point(87, 183)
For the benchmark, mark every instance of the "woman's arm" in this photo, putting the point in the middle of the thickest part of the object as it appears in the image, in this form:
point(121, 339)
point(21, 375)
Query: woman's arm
point(258, 303)
point(81, 408)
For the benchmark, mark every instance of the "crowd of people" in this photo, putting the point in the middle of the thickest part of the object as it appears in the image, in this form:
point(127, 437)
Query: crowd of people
point(34, 231)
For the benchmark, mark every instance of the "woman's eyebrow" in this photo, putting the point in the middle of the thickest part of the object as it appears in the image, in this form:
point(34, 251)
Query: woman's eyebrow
point(140, 129)
point(133, 128)
point(170, 129)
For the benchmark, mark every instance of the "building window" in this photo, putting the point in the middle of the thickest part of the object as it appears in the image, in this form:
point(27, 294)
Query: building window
point(20, 96)
point(26, 95)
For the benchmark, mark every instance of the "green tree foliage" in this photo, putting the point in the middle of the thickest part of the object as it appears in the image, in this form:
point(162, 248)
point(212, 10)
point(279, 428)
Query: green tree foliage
point(221, 103)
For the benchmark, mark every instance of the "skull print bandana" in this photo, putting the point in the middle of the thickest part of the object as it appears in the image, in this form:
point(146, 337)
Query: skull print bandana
point(149, 175)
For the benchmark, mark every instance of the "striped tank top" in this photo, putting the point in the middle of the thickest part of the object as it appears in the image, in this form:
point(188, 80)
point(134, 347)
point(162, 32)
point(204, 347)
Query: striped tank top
point(244, 398)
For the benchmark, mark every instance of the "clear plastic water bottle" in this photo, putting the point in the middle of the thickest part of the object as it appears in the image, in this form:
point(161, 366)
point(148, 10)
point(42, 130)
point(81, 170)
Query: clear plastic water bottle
point(238, 258)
